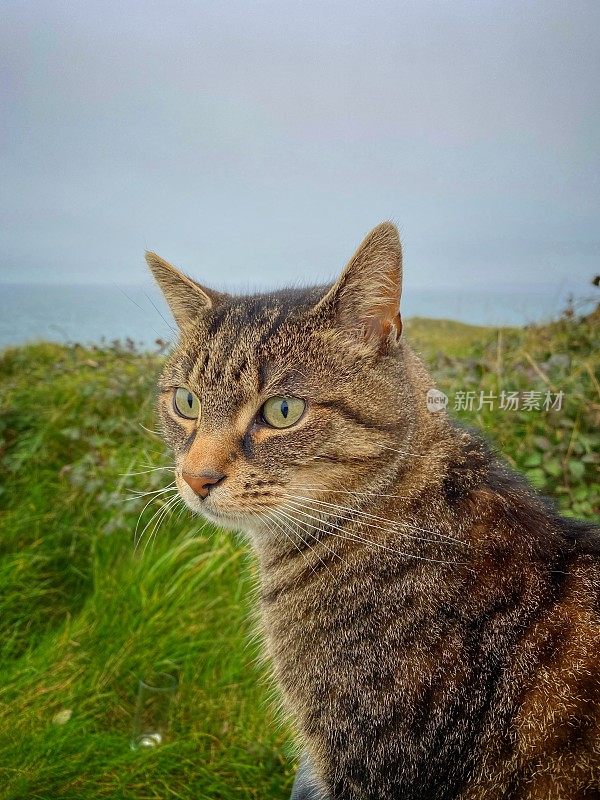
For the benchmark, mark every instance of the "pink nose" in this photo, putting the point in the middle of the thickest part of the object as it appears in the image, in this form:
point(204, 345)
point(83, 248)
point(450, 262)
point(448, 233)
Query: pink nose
point(203, 482)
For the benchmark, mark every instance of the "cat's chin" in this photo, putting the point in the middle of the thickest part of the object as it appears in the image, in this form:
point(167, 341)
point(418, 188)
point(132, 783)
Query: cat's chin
point(226, 520)
point(250, 526)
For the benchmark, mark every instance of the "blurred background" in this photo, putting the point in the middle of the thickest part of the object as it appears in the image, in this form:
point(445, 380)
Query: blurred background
point(253, 145)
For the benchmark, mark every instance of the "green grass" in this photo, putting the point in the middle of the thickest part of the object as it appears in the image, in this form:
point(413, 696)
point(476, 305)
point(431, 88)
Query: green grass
point(83, 616)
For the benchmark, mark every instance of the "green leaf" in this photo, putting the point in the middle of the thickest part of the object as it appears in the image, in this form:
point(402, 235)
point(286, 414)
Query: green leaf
point(542, 443)
point(591, 458)
point(581, 493)
point(533, 460)
point(553, 467)
point(537, 477)
point(576, 468)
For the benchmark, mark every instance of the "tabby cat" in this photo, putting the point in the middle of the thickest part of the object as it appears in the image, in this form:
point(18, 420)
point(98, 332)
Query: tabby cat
point(432, 624)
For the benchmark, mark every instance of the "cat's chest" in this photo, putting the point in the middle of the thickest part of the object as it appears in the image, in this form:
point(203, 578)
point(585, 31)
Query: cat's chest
point(360, 635)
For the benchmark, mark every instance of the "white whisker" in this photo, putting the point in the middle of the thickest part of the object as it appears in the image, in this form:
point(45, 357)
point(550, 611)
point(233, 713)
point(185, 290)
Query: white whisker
point(162, 316)
point(137, 540)
point(280, 527)
point(287, 516)
point(344, 534)
point(142, 495)
point(146, 471)
point(147, 494)
point(166, 510)
point(152, 499)
point(313, 487)
point(377, 518)
point(385, 529)
point(148, 430)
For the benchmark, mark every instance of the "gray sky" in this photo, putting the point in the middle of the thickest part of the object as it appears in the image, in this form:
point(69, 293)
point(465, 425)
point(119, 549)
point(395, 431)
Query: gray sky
point(255, 143)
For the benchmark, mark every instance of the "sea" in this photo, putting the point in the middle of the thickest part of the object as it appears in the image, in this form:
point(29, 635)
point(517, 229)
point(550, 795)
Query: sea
point(101, 314)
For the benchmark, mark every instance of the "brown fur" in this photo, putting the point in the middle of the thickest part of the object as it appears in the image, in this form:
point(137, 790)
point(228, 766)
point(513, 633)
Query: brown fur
point(433, 625)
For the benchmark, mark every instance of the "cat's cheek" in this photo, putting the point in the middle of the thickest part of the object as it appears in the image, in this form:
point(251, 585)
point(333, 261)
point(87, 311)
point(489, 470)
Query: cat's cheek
point(174, 433)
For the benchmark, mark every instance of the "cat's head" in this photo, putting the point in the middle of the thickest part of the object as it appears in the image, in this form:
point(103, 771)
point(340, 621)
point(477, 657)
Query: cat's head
point(270, 398)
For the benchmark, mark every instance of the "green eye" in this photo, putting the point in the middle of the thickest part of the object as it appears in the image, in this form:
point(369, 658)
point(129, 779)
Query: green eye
point(186, 403)
point(282, 412)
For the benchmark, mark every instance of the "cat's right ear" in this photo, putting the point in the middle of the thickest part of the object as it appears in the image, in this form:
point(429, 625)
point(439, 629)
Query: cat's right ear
point(186, 298)
point(365, 299)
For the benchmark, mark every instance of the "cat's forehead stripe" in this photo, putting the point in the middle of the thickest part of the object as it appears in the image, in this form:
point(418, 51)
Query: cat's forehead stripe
point(243, 346)
point(235, 338)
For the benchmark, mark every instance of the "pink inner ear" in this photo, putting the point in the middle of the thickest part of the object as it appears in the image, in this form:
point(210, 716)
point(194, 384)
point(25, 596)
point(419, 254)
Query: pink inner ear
point(380, 327)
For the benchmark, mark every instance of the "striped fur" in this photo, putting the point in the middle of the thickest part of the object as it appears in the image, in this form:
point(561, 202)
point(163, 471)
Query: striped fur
point(432, 624)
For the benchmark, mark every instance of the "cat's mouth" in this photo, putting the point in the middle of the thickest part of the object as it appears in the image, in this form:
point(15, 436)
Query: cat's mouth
point(217, 507)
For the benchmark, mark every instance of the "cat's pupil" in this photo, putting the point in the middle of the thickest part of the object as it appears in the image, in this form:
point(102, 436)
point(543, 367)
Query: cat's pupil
point(190, 399)
point(284, 408)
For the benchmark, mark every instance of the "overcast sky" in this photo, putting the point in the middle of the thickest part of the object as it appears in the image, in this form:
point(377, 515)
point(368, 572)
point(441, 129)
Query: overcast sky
point(256, 143)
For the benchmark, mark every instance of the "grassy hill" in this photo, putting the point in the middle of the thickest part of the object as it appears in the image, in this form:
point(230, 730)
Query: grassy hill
point(83, 615)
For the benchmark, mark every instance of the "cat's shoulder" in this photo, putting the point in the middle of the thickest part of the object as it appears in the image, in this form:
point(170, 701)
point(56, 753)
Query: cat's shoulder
point(486, 466)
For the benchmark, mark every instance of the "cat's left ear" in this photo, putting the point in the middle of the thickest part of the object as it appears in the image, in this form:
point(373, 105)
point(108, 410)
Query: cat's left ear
point(365, 300)
point(186, 298)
